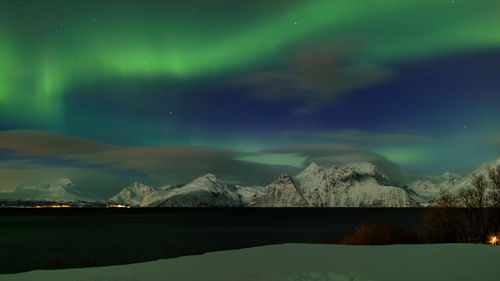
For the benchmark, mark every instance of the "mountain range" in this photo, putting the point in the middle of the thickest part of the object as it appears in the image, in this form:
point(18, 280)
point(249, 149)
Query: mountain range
point(361, 185)
point(59, 190)
point(356, 185)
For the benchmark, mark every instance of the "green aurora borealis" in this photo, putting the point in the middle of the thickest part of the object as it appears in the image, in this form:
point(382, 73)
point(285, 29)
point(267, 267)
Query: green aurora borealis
point(41, 63)
point(55, 54)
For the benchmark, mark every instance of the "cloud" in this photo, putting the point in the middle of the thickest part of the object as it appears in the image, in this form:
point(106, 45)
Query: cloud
point(174, 164)
point(104, 169)
point(94, 181)
point(344, 153)
point(314, 76)
point(352, 135)
point(340, 154)
point(491, 140)
point(495, 140)
point(46, 143)
point(31, 157)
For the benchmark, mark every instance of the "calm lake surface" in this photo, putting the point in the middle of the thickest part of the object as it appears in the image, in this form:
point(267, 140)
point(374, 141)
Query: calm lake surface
point(65, 238)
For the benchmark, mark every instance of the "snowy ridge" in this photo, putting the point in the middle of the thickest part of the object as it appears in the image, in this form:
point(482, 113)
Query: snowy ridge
point(247, 193)
point(482, 170)
point(204, 191)
point(354, 185)
point(59, 190)
point(428, 189)
point(133, 195)
point(281, 193)
point(358, 185)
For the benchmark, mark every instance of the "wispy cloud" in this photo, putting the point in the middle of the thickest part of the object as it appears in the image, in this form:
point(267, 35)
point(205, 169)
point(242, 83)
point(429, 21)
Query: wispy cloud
point(353, 135)
point(46, 143)
point(314, 76)
point(341, 154)
point(39, 156)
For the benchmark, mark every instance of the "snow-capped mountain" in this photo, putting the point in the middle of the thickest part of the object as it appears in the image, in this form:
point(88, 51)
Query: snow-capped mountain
point(247, 193)
point(428, 188)
point(357, 185)
point(154, 196)
point(482, 170)
point(133, 195)
point(204, 191)
point(59, 190)
point(281, 193)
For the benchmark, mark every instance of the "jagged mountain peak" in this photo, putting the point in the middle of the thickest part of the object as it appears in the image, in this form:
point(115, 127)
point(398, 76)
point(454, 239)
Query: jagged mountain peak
point(282, 192)
point(133, 194)
point(137, 186)
point(211, 177)
point(204, 191)
point(356, 185)
point(355, 171)
point(366, 168)
point(313, 168)
point(206, 181)
point(137, 183)
point(284, 179)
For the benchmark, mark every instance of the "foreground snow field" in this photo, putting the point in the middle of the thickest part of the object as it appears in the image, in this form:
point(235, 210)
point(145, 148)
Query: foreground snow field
point(301, 262)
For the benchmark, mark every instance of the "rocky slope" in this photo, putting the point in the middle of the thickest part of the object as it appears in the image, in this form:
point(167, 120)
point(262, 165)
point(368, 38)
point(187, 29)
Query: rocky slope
point(204, 191)
point(428, 188)
point(133, 195)
point(281, 193)
point(359, 185)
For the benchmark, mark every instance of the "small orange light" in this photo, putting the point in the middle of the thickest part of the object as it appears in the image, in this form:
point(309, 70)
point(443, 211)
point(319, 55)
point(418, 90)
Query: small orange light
point(494, 240)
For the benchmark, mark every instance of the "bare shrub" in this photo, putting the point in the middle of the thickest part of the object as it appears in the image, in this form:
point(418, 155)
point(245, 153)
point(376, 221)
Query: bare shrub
point(379, 234)
point(444, 222)
point(474, 201)
point(494, 197)
point(469, 217)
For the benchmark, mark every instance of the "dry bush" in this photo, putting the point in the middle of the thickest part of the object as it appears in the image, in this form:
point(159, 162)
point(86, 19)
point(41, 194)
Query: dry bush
point(443, 223)
point(380, 234)
point(474, 200)
point(494, 198)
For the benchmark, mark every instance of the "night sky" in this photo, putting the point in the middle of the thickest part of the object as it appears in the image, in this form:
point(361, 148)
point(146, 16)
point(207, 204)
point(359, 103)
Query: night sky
point(109, 92)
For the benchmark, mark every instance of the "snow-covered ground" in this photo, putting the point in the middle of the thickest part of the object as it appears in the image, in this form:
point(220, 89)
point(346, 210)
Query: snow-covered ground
point(302, 262)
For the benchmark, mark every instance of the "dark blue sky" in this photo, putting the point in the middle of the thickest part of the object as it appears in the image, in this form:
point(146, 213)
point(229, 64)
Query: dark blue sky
point(262, 84)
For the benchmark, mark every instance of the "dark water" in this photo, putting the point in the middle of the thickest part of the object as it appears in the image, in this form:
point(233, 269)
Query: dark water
point(63, 238)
